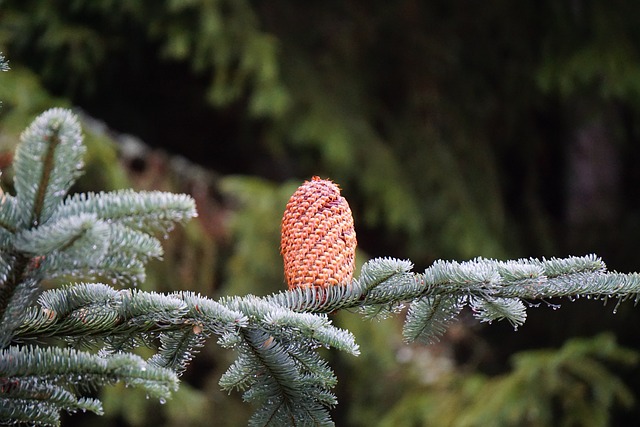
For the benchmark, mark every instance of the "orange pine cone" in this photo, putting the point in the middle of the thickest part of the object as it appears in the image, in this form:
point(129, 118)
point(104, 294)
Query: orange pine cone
point(318, 240)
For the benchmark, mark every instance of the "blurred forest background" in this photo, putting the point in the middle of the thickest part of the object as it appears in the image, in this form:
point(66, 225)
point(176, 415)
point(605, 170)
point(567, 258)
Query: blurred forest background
point(456, 129)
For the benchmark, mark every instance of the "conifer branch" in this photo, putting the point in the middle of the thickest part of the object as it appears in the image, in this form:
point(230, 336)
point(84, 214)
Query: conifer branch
point(275, 377)
point(428, 317)
point(494, 290)
point(16, 296)
point(51, 151)
point(490, 309)
point(109, 237)
point(44, 235)
point(149, 211)
point(38, 383)
point(277, 347)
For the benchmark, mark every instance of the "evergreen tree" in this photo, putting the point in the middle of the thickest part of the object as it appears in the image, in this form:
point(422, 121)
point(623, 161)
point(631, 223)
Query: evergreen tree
point(71, 317)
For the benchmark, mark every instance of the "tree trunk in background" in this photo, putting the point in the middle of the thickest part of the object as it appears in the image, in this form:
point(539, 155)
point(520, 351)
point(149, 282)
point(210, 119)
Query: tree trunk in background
point(593, 173)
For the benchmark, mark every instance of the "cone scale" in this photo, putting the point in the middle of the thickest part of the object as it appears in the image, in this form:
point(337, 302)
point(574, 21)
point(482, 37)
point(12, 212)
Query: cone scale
point(318, 239)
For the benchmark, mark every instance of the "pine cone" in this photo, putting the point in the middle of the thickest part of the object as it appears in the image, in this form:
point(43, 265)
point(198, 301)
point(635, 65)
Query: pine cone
point(318, 240)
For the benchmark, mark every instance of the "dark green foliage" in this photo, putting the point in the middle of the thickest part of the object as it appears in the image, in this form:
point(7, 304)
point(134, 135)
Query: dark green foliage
point(573, 385)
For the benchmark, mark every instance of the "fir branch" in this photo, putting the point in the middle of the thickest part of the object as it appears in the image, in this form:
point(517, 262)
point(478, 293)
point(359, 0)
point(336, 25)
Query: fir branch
point(395, 288)
point(494, 289)
point(490, 309)
point(211, 315)
point(278, 366)
point(68, 366)
point(24, 400)
point(598, 285)
point(50, 375)
point(63, 301)
point(18, 290)
point(428, 318)
point(559, 266)
point(277, 336)
point(103, 236)
point(240, 375)
point(94, 311)
point(319, 299)
point(280, 321)
point(46, 164)
point(23, 295)
point(147, 211)
point(51, 150)
point(118, 268)
point(99, 316)
point(145, 308)
point(525, 279)
point(382, 311)
point(177, 348)
point(65, 233)
point(134, 243)
point(374, 273)
point(85, 248)
point(289, 324)
point(275, 382)
point(202, 318)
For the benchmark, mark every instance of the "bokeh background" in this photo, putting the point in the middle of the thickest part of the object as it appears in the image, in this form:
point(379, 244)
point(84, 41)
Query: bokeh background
point(455, 129)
